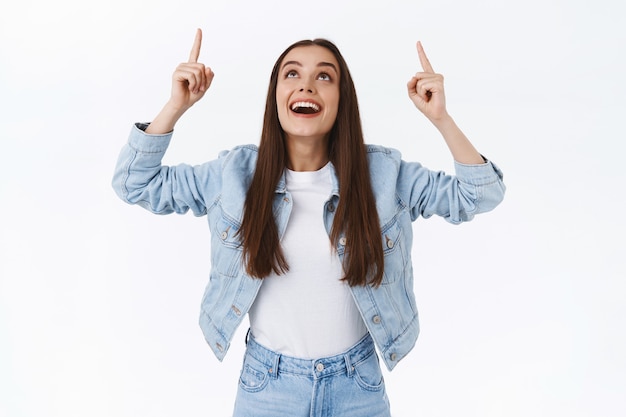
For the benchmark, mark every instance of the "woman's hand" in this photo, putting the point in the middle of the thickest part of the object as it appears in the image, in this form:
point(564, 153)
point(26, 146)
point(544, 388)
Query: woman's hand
point(190, 81)
point(427, 93)
point(426, 90)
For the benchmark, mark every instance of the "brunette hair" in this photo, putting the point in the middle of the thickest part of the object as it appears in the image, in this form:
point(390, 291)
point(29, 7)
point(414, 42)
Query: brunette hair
point(356, 217)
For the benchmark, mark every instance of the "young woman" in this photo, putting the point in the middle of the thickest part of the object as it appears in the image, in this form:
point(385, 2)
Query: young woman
point(311, 230)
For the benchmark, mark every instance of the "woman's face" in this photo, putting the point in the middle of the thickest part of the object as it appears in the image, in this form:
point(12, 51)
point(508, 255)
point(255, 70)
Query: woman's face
point(307, 92)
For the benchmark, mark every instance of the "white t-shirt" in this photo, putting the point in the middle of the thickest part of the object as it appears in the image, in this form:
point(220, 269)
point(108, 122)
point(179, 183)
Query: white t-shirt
point(307, 312)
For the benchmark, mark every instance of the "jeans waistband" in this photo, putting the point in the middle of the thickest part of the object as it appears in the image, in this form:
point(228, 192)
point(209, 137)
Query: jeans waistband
point(316, 368)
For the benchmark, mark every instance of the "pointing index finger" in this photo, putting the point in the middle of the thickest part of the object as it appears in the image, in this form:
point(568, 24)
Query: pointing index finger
point(423, 59)
point(195, 50)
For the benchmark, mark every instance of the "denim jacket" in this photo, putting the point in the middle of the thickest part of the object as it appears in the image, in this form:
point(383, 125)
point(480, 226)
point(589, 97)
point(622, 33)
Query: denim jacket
point(403, 192)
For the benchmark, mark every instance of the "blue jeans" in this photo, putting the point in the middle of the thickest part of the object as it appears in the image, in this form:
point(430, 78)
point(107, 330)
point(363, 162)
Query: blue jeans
point(346, 385)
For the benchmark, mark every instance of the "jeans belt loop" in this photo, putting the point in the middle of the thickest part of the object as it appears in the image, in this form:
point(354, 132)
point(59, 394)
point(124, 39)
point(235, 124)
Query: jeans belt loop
point(274, 370)
point(349, 367)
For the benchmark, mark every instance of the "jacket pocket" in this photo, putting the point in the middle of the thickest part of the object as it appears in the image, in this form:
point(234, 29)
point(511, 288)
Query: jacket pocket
point(227, 250)
point(393, 252)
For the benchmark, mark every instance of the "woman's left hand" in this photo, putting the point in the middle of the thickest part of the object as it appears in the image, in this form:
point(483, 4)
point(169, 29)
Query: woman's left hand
point(426, 90)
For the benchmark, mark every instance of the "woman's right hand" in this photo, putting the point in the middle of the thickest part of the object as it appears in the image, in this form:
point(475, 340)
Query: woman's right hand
point(190, 81)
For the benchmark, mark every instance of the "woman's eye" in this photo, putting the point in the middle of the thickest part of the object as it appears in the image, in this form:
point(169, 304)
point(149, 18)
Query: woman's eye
point(324, 77)
point(291, 74)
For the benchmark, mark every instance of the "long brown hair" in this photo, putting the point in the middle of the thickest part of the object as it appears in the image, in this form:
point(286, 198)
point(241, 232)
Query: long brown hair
point(356, 217)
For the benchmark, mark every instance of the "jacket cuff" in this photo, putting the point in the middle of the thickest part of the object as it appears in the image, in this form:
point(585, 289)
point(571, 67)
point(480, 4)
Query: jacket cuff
point(478, 174)
point(144, 142)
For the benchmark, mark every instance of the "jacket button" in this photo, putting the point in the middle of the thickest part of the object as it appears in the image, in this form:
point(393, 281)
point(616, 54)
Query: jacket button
point(376, 319)
point(393, 357)
point(331, 207)
point(319, 367)
point(342, 241)
point(224, 235)
point(390, 243)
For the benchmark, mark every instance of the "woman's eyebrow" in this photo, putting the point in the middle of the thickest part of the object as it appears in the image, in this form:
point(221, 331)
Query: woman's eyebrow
point(292, 63)
point(328, 64)
point(321, 64)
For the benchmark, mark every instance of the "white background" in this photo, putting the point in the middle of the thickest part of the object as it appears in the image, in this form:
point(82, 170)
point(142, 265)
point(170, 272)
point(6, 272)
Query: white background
point(522, 310)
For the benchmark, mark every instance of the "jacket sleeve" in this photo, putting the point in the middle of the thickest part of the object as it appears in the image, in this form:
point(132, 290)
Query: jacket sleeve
point(457, 198)
point(140, 178)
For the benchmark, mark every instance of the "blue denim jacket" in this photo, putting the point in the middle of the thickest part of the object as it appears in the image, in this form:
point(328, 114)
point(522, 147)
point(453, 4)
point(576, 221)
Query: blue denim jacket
point(403, 191)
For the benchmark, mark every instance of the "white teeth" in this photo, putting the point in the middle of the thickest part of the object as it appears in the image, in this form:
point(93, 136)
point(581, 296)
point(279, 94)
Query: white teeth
point(297, 104)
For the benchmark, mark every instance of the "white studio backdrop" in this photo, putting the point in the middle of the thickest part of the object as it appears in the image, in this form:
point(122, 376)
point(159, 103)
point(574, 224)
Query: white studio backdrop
point(522, 310)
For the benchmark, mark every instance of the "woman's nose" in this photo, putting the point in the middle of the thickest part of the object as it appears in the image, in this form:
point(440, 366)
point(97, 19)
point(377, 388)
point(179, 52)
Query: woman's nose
point(306, 85)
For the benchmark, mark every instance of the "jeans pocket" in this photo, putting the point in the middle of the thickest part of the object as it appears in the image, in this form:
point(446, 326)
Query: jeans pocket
point(368, 374)
point(254, 377)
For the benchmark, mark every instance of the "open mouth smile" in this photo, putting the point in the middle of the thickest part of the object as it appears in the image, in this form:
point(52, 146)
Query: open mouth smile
point(305, 107)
